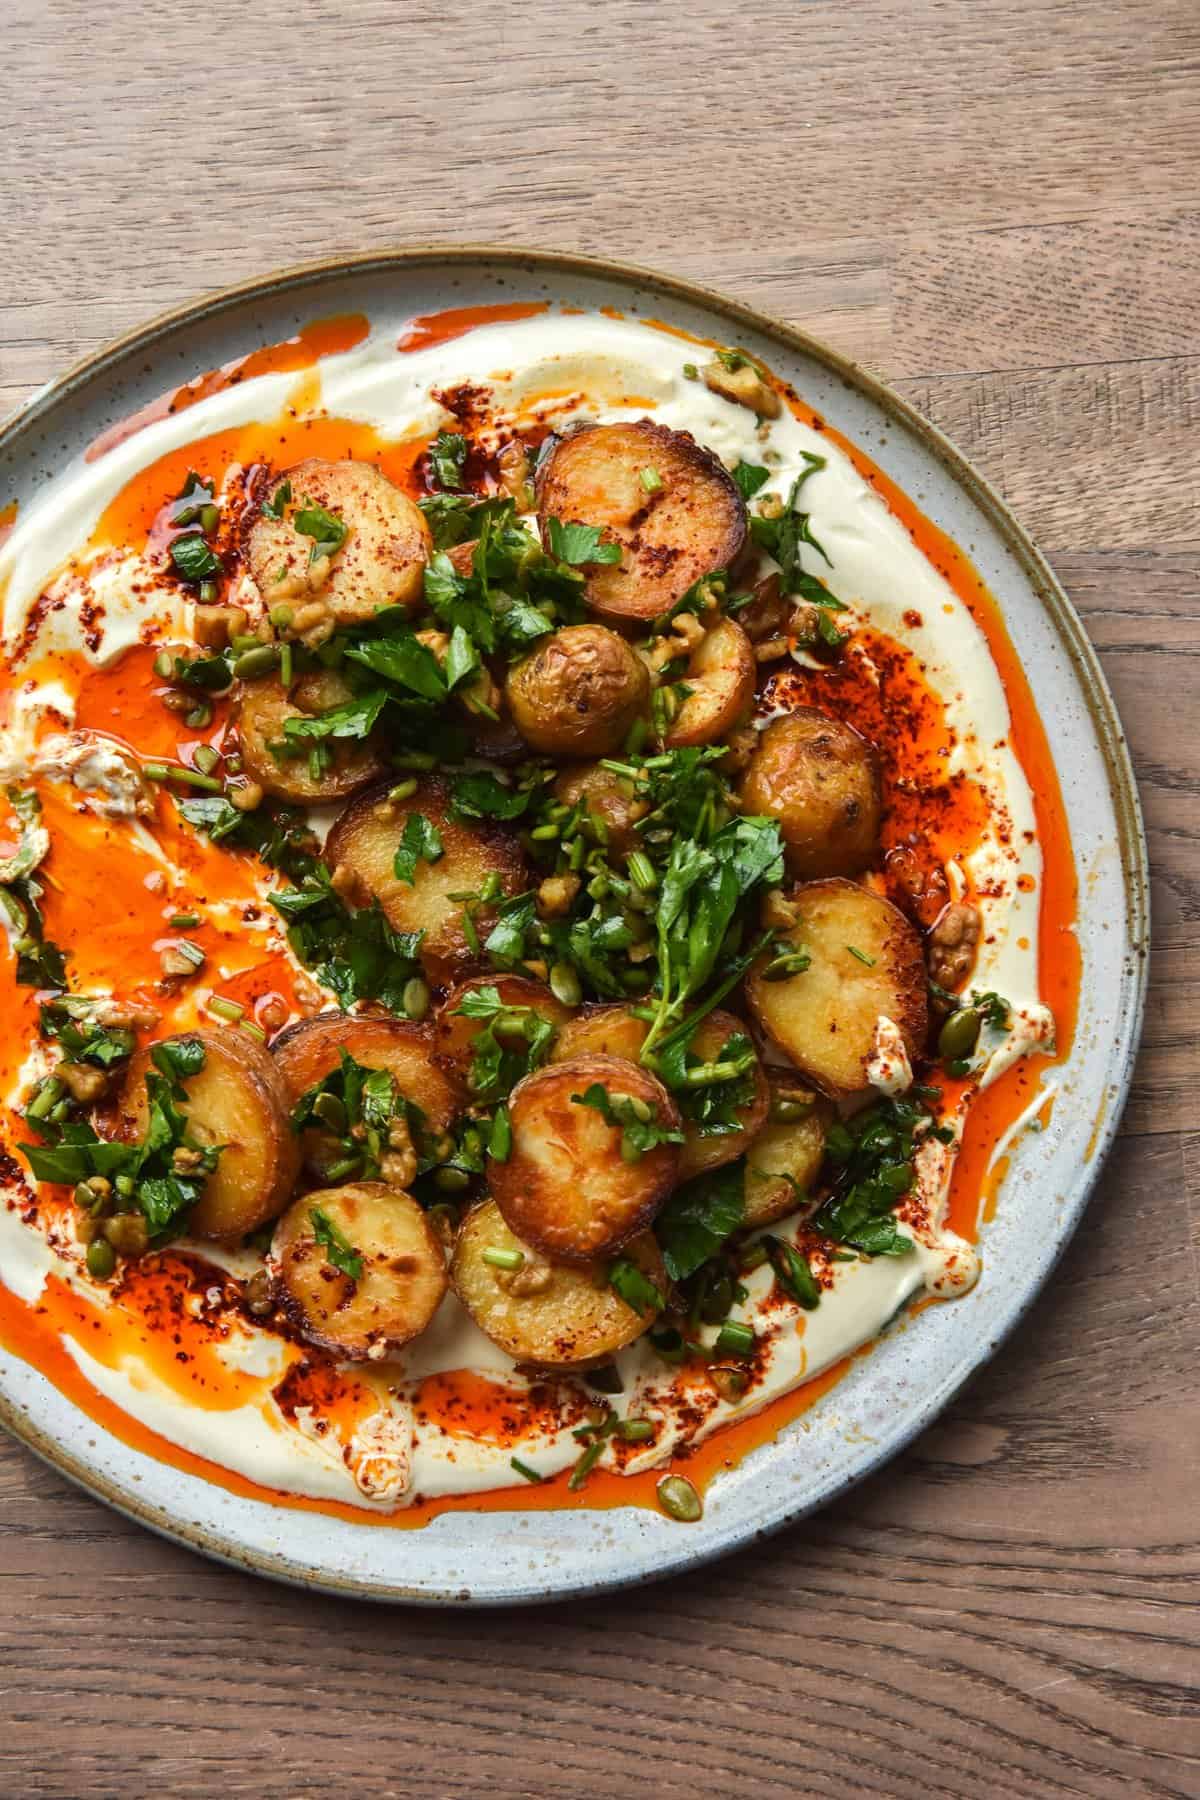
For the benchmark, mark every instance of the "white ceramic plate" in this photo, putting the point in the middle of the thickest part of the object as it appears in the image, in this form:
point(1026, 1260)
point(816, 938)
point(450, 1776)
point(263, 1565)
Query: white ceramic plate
point(888, 1397)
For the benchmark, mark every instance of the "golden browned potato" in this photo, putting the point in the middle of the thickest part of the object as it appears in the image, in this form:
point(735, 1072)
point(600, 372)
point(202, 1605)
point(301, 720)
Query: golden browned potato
point(610, 803)
point(455, 1031)
point(380, 563)
point(311, 1049)
point(567, 1187)
point(578, 692)
point(547, 1313)
point(358, 1269)
point(784, 1160)
point(617, 1031)
point(239, 1101)
point(262, 714)
point(364, 841)
point(668, 503)
point(720, 674)
point(866, 965)
point(820, 779)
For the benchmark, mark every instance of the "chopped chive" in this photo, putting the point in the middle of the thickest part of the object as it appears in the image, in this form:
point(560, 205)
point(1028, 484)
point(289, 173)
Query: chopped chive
point(650, 479)
point(586, 1464)
point(504, 1259)
point(164, 665)
point(226, 1009)
point(524, 1469)
point(691, 371)
point(183, 921)
point(735, 1339)
point(862, 956)
point(200, 716)
point(207, 591)
point(635, 1431)
point(205, 758)
point(192, 952)
point(47, 1096)
point(254, 1031)
point(642, 871)
point(285, 664)
point(155, 771)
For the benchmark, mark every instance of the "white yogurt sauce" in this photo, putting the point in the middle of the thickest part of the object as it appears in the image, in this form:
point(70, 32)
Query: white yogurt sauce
point(607, 369)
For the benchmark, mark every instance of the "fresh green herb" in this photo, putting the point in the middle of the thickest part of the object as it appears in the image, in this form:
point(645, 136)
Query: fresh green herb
point(361, 1115)
point(480, 795)
point(500, 1136)
point(794, 1273)
point(73, 1022)
point(339, 1251)
point(399, 657)
point(178, 1059)
point(447, 458)
point(636, 1118)
point(524, 1469)
point(41, 964)
point(421, 842)
point(273, 508)
point(577, 544)
point(862, 956)
point(34, 845)
point(512, 1042)
point(212, 674)
point(197, 495)
point(355, 718)
point(651, 481)
point(698, 1218)
point(995, 1009)
point(327, 531)
point(711, 1094)
point(872, 1154)
point(748, 478)
point(735, 1339)
point(193, 559)
point(635, 1288)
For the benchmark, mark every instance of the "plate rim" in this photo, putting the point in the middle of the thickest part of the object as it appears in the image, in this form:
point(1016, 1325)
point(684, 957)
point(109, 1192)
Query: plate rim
point(1104, 719)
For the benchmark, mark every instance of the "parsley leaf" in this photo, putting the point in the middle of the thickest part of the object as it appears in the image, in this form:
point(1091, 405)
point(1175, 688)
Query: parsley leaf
point(479, 795)
point(339, 1251)
point(273, 507)
point(447, 456)
point(698, 1218)
point(637, 1119)
point(193, 558)
point(421, 842)
point(576, 544)
point(635, 1288)
point(401, 658)
point(355, 718)
point(327, 531)
point(513, 1042)
point(748, 478)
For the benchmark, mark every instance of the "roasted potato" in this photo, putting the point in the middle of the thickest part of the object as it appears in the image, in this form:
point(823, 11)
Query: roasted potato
point(237, 1100)
point(311, 1049)
point(566, 1187)
point(364, 840)
point(401, 1276)
point(380, 563)
point(547, 1313)
point(617, 1031)
point(455, 1032)
point(720, 676)
point(578, 692)
point(784, 1161)
point(690, 521)
point(610, 804)
point(866, 964)
point(820, 779)
point(262, 714)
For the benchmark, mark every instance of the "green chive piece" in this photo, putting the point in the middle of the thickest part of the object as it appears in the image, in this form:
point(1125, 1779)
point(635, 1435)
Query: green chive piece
point(192, 952)
point(254, 1031)
point(47, 1097)
point(679, 1499)
point(565, 984)
point(280, 617)
point(421, 760)
point(226, 1009)
point(154, 771)
point(504, 1259)
point(403, 790)
point(691, 371)
point(524, 1469)
point(285, 665)
point(164, 665)
point(183, 921)
point(862, 956)
point(635, 1431)
point(205, 758)
point(650, 479)
point(331, 1112)
point(206, 591)
point(735, 1339)
point(642, 871)
point(200, 716)
point(585, 1465)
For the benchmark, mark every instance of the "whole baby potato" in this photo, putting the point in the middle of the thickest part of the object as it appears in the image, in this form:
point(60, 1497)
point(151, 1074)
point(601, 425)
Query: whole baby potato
point(579, 692)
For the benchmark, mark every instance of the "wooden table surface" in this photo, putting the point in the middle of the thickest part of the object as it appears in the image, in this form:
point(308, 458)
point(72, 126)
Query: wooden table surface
point(996, 205)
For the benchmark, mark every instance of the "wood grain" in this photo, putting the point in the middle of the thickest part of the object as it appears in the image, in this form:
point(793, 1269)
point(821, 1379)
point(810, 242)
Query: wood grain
point(995, 206)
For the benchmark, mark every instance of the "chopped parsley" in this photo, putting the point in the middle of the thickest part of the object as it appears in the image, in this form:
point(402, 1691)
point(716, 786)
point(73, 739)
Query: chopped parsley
point(339, 1251)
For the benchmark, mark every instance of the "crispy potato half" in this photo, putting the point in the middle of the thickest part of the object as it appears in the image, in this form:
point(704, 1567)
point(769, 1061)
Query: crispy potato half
point(262, 715)
point(866, 964)
point(668, 503)
point(365, 838)
point(237, 1100)
point(550, 1314)
point(455, 1032)
point(720, 675)
point(617, 1031)
point(783, 1162)
point(820, 779)
point(578, 692)
point(358, 1269)
point(381, 562)
point(566, 1187)
point(609, 804)
point(311, 1049)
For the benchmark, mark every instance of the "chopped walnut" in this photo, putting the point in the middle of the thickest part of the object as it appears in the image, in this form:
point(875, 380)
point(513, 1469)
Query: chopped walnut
point(768, 610)
point(83, 1083)
point(778, 913)
point(214, 626)
point(533, 1277)
point(739, 748)
point(744, 386)
point(952, 945)
point(555, 895)
point(343, 879)
point(513, 462)
point(399, 1167)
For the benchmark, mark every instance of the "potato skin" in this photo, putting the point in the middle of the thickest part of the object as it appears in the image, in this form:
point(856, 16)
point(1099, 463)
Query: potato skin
point(381, 563)
point(606, 797)
point(721, 673)
point(616, 1031)
point(572, 1319)
point(364, 840)
point(692, 525)
point(455, 1034)
point(262, 711)
point(825, 1018)
point(820, 779)
point(311, 1049)
point(578, 692)
point(565, 1188)
point(237, 1099)
point(404, 1270)
point(796, 1149)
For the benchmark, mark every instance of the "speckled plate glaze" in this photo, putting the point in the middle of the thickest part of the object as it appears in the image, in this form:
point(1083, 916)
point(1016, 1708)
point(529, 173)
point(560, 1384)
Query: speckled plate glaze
point(466, 1558)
